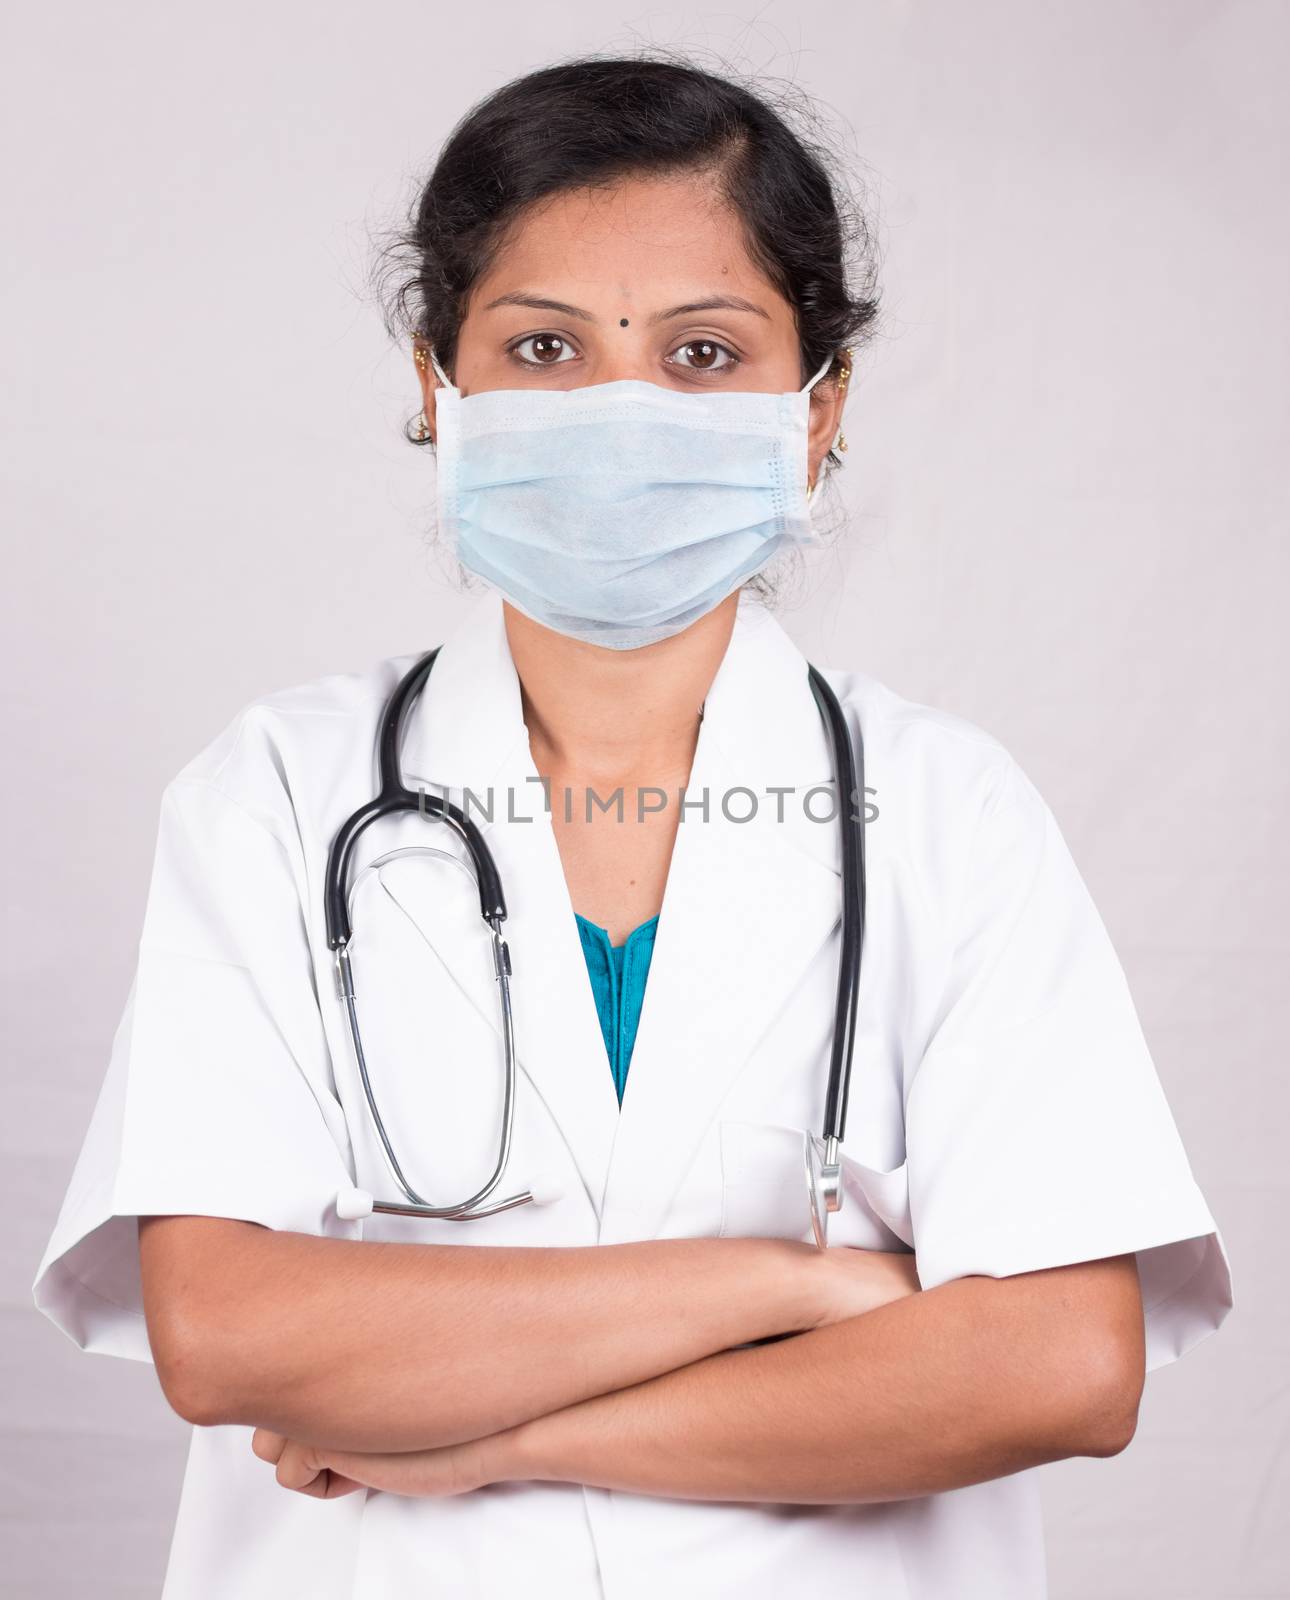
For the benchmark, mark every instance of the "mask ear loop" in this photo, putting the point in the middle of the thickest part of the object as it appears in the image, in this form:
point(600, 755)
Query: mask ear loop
point(806, 389)
point(827, 363)
point(439, 372)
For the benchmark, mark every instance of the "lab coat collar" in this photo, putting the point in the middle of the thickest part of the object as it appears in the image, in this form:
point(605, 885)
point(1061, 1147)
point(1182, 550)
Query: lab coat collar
point(752, 894)
point(469, 718)
point(759, 719)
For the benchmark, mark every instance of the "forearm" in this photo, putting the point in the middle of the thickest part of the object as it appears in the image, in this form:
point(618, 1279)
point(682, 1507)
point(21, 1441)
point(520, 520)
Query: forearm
point(971, 1381)
point(374, 1346)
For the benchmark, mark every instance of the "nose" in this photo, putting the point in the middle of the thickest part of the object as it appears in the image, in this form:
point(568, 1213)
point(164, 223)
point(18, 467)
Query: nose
point(622, 361)
point(635, 363)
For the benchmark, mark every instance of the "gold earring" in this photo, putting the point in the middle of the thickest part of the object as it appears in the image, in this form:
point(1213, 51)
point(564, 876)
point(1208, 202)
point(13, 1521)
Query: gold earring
point(423, 428)
point(419, 356)
point(845, 373)
point(842, 440)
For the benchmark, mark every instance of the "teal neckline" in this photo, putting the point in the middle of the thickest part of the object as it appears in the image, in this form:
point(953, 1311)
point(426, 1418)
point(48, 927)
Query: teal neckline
point(585, 922)
point(617, 974)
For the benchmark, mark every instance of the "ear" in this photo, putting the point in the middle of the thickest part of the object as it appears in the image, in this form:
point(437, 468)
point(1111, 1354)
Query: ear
point(828, 398)
point(428, 381)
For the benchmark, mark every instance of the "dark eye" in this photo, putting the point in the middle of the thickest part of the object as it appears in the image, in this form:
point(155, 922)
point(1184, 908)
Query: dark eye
point(549, 349)
point(704, 355)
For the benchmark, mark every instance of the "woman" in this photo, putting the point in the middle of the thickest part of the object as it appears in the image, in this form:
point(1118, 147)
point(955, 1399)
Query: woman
point(632, 325)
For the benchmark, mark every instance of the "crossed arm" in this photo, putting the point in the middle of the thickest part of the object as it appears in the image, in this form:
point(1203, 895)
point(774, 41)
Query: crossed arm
point(628, 1366)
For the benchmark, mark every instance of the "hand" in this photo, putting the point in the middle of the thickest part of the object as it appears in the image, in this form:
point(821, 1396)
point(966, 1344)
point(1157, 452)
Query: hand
point(326, 1474)
point(851, 1281)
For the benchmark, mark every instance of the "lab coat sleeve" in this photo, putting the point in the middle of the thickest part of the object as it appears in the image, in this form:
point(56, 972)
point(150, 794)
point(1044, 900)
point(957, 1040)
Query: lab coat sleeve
point(1037, 1130)
point(218, 1099)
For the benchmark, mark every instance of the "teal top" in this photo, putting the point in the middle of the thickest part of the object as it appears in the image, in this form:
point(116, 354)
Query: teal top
point(618, 974)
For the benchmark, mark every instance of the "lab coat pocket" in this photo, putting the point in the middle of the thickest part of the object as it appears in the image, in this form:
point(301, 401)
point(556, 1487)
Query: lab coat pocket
point(763, 1192)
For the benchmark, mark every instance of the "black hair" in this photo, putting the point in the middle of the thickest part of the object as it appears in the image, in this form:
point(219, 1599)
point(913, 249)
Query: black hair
point(594, 120)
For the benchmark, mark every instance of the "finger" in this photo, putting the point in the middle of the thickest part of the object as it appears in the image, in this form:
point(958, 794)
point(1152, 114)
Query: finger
point(328, 1485)
point(398, 1472)
point(299, 1468)
point(307, 1469)
point(338, 1484)
point(267, 1445)
point(357, 1469)
point(434, 1473)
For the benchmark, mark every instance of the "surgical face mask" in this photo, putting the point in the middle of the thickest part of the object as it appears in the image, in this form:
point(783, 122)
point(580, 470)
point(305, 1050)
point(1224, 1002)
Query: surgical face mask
point(619, 513)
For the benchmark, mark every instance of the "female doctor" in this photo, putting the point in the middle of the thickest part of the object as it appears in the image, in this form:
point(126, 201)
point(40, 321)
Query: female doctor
point(632, 323)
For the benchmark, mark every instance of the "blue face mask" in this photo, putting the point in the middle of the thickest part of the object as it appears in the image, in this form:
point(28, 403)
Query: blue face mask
point(620, 513)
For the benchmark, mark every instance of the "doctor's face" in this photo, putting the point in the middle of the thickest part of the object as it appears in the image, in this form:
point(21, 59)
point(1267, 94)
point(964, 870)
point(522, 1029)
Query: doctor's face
point(650, 279)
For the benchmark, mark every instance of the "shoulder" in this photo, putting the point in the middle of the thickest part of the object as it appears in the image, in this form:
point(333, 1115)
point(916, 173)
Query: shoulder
point(285, 752)
point(922, 749)
point(942, 790)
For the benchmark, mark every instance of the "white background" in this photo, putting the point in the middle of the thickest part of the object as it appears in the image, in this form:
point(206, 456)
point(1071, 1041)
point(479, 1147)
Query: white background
point(1067, 504)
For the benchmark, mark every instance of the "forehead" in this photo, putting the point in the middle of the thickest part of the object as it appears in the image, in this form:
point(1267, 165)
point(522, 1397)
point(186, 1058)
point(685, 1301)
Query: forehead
point(635, 241)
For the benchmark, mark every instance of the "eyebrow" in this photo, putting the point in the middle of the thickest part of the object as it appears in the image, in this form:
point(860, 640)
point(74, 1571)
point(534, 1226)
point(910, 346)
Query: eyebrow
point(717, 302)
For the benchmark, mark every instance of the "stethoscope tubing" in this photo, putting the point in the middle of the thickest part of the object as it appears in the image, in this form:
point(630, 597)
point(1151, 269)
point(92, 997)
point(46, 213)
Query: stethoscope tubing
point(848, 767)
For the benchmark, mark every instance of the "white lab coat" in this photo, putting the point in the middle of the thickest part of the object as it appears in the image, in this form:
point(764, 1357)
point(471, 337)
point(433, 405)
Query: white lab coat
point(1005, 1114)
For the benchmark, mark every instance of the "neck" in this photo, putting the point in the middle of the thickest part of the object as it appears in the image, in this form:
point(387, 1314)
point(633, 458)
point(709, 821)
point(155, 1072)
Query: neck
point(616, 714)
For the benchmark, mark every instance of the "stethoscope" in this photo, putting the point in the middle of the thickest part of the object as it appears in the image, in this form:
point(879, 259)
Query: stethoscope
point(820, 1154)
